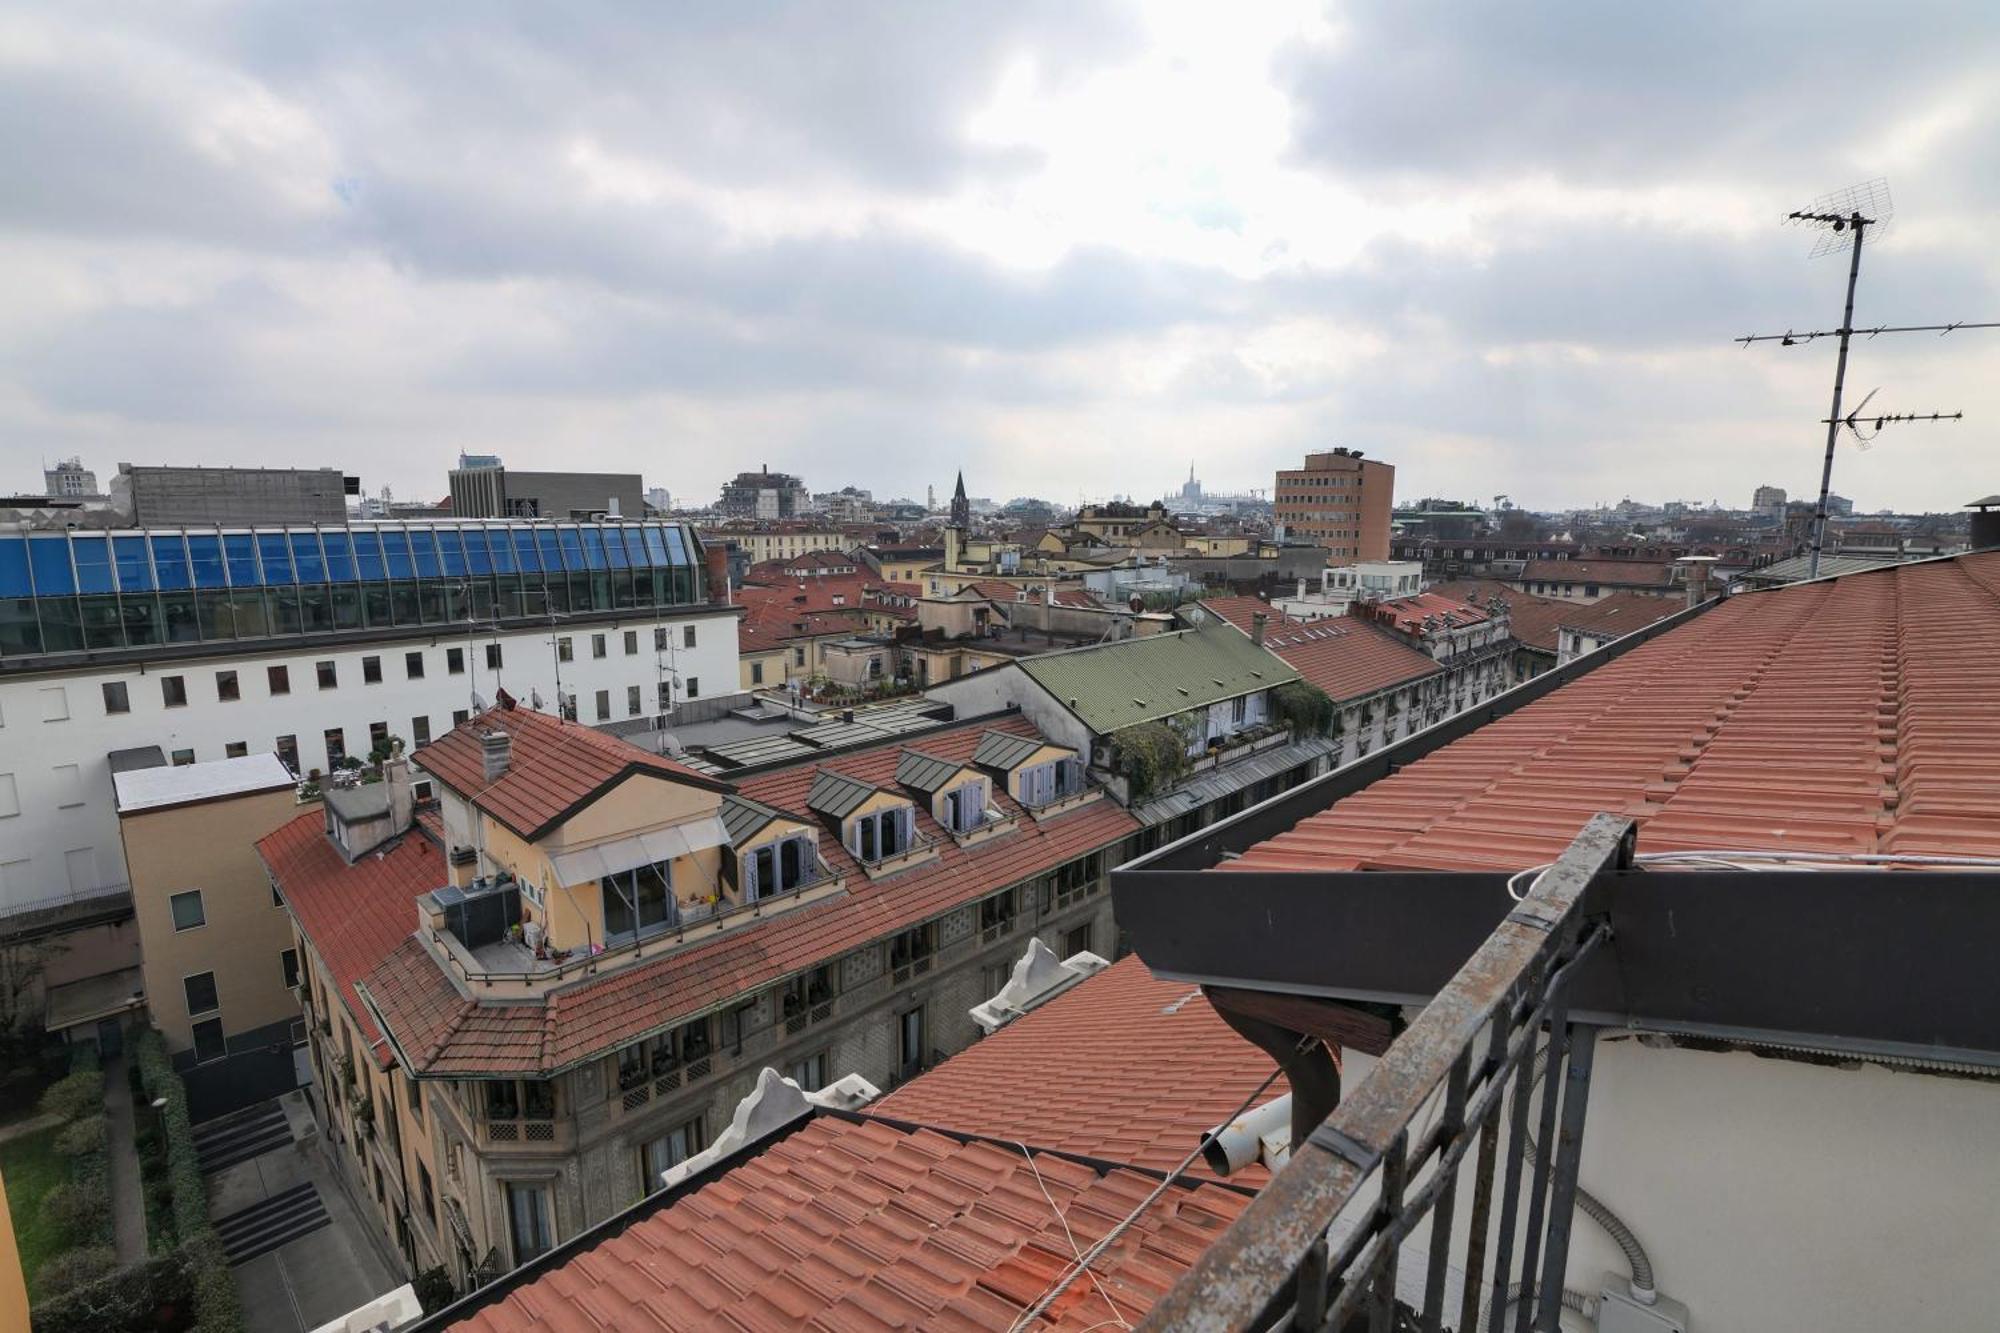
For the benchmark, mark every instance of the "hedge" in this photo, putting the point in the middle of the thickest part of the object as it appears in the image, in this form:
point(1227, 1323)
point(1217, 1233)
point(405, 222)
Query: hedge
point(216, 1307)
point(1151, 755)
point(1307, 709)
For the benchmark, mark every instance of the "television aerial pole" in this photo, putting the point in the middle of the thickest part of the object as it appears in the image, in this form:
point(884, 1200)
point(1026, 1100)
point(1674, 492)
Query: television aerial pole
point(1843, 219)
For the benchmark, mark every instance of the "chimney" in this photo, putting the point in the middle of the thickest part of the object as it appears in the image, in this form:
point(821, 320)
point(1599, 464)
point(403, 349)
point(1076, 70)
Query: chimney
point(611, 507)
point(496, 748)
point(1985, 533)
point(1258, 620)
point(402, 806)
point(716, 557)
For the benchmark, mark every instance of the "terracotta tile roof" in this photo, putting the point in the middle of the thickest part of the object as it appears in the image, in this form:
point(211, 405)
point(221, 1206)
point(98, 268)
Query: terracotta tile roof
point(1854, 714)
point(445, 1035)
point(1608, 573)
point(1123, 1067)
point(1538, 621)
point(352, 915)
point(556, 766)
point(1344, 655)
point(1407, 613)
point(848, 1225)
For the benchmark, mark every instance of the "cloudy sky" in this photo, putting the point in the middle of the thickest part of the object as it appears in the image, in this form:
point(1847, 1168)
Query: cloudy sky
point(1067, 247)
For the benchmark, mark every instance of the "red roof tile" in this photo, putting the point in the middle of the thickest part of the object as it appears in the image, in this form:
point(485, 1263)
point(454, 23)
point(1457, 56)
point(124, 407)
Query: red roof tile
point(1608, 573)
point(352, 915)
point(445, 1035)
point(1854, 714)
point(1123, 1067)
point(1407, 614)
point(859, 1225)
point(1538, 621)
point(556, 766)
point(1343, 655)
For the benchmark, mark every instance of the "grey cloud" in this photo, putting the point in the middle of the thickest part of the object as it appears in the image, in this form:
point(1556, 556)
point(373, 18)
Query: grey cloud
point(1715, 90)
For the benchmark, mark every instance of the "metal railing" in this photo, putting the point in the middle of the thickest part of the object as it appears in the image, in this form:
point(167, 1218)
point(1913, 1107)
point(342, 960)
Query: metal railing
point(1321, 1246)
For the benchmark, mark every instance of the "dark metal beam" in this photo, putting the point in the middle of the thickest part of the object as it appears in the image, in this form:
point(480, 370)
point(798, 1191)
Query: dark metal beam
point(1865, 960)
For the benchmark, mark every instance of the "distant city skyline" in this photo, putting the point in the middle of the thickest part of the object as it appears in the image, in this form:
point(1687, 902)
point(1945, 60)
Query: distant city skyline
point(1064, 247)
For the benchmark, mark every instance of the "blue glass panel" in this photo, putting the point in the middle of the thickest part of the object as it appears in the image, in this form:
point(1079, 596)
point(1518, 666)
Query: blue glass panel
point(524, 548)
point(307, 559)
point(14, 580)
point(276, 557)
point(572, 548)
point(678, 550)
point(478, 557)
point(135, 568)
point(452, 551)
point(424, 542)
point(93, 563)
point(593, 547)
point(545, 540)
point(205, 553)
point(241, 550)
point(656, 547)
point(629, 550)
point(339, 557)
point(402, 565)
point(170, 562)
point(368, 562)
point(48, 557)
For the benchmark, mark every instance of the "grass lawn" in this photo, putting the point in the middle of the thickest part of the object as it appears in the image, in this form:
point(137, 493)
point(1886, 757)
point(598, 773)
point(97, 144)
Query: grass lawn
point(32, 1168)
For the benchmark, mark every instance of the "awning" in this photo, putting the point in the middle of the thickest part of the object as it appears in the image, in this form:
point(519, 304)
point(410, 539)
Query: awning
point(589, 864)
point(75, 1003)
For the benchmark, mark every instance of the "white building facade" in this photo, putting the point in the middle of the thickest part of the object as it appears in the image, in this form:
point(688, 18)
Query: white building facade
point(314, 698)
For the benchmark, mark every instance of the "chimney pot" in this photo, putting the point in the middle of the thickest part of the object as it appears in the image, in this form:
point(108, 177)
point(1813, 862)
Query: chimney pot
point(1257, 622)
point(496, 749)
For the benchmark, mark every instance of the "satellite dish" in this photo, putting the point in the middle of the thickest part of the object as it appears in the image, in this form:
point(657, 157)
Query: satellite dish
point(535, 699)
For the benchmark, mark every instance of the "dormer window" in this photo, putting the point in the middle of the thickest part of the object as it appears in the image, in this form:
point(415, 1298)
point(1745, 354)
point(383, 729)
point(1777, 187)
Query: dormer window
point(882, 834)
point(779, 866)
point(1046, 783)
point(963, 807)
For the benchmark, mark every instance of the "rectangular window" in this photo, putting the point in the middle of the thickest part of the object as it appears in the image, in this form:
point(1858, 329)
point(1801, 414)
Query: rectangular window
point(174, 691)
point(10, 797)
point(183, 758)
point(756, 673)
point(329, 676)
point(631, 642)
point(278, 679)
point(910, 1042)
point(492, 657)
point(670, 1149)
point(666, 692)
point(597, 645)
point(116, 700)
point(809, 1073)
point(288, 753)
point(528, 1221)
point(1077, 941)
point(336, 747)
point(226, 689)
point(454, 661)
point(378, 736)
point(660, 639)
point(413, 665)
point(420, 730)
point(459, 716)
point(69, 786)
point(565, 650)
point(200, 991)
point(634, 700)
point(288, 966)
point(235, 749)
point(693, 687)
point(426, 1193)
point(209, 1043)
point(638, 902)
point(371, 671)
point(687, 636)
point(798, 657)
point(604, 705)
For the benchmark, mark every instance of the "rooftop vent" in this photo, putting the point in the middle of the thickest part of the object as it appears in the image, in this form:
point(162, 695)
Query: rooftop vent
point(496, 751)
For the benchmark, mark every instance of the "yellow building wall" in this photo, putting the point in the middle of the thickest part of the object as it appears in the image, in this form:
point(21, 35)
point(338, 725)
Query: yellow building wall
point(211, 846)
point(1041, 756)
point(773, 662)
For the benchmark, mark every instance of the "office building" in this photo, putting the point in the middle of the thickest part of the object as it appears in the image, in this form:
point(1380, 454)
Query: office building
point(1338, 500)
point(482, 488)
point(69, 480)
point(163, 497)
point(765, 494)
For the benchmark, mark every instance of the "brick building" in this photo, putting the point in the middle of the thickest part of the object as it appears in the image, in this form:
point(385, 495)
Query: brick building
point(1338, 500)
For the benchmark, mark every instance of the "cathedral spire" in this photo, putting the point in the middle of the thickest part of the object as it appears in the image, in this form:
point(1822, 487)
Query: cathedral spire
point(961, 508)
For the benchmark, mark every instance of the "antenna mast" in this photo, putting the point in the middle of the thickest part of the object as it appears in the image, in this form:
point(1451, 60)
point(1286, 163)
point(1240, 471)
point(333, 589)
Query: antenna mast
point(1844, 218)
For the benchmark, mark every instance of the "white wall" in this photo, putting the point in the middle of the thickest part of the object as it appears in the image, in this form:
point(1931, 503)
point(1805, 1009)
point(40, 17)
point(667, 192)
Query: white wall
point(997, 687)
point(57, 845)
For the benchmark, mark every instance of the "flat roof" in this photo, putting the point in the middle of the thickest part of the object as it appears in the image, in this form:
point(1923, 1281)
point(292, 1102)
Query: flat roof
point(153, 788)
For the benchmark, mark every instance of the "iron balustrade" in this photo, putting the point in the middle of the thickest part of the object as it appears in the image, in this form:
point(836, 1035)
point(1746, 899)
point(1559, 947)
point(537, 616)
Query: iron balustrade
point(1463, 1076)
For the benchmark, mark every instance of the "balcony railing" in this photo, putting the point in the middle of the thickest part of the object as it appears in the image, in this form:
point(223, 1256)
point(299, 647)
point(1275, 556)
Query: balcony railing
point(1324, 1239)
point(923, 847)
point(1063, 802)
point(538, 1135)
point(664, 1081)
point(510, 969)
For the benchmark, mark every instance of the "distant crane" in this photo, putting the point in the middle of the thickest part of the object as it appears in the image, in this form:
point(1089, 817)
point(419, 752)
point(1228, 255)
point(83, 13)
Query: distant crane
point(1502, 502)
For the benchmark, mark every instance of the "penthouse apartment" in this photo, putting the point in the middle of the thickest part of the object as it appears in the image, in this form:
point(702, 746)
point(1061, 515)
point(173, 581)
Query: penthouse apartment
point(562, 978)
point(316, 644)
point(1692, 947)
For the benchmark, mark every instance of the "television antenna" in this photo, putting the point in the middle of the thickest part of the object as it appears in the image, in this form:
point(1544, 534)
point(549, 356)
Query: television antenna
point(1843, 220)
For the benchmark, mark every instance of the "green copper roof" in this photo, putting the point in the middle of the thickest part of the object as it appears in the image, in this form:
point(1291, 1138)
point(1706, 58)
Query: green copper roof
point(1114, 685)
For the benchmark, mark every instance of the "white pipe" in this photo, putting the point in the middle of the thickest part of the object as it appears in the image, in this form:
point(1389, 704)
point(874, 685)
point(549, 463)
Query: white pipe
point(1241, 1142)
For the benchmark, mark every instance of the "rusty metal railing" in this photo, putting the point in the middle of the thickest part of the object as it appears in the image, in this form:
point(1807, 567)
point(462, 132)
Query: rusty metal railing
point(1322, 1246)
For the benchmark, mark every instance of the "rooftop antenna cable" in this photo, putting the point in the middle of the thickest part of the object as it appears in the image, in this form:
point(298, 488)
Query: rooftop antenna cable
point(1843, 219)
